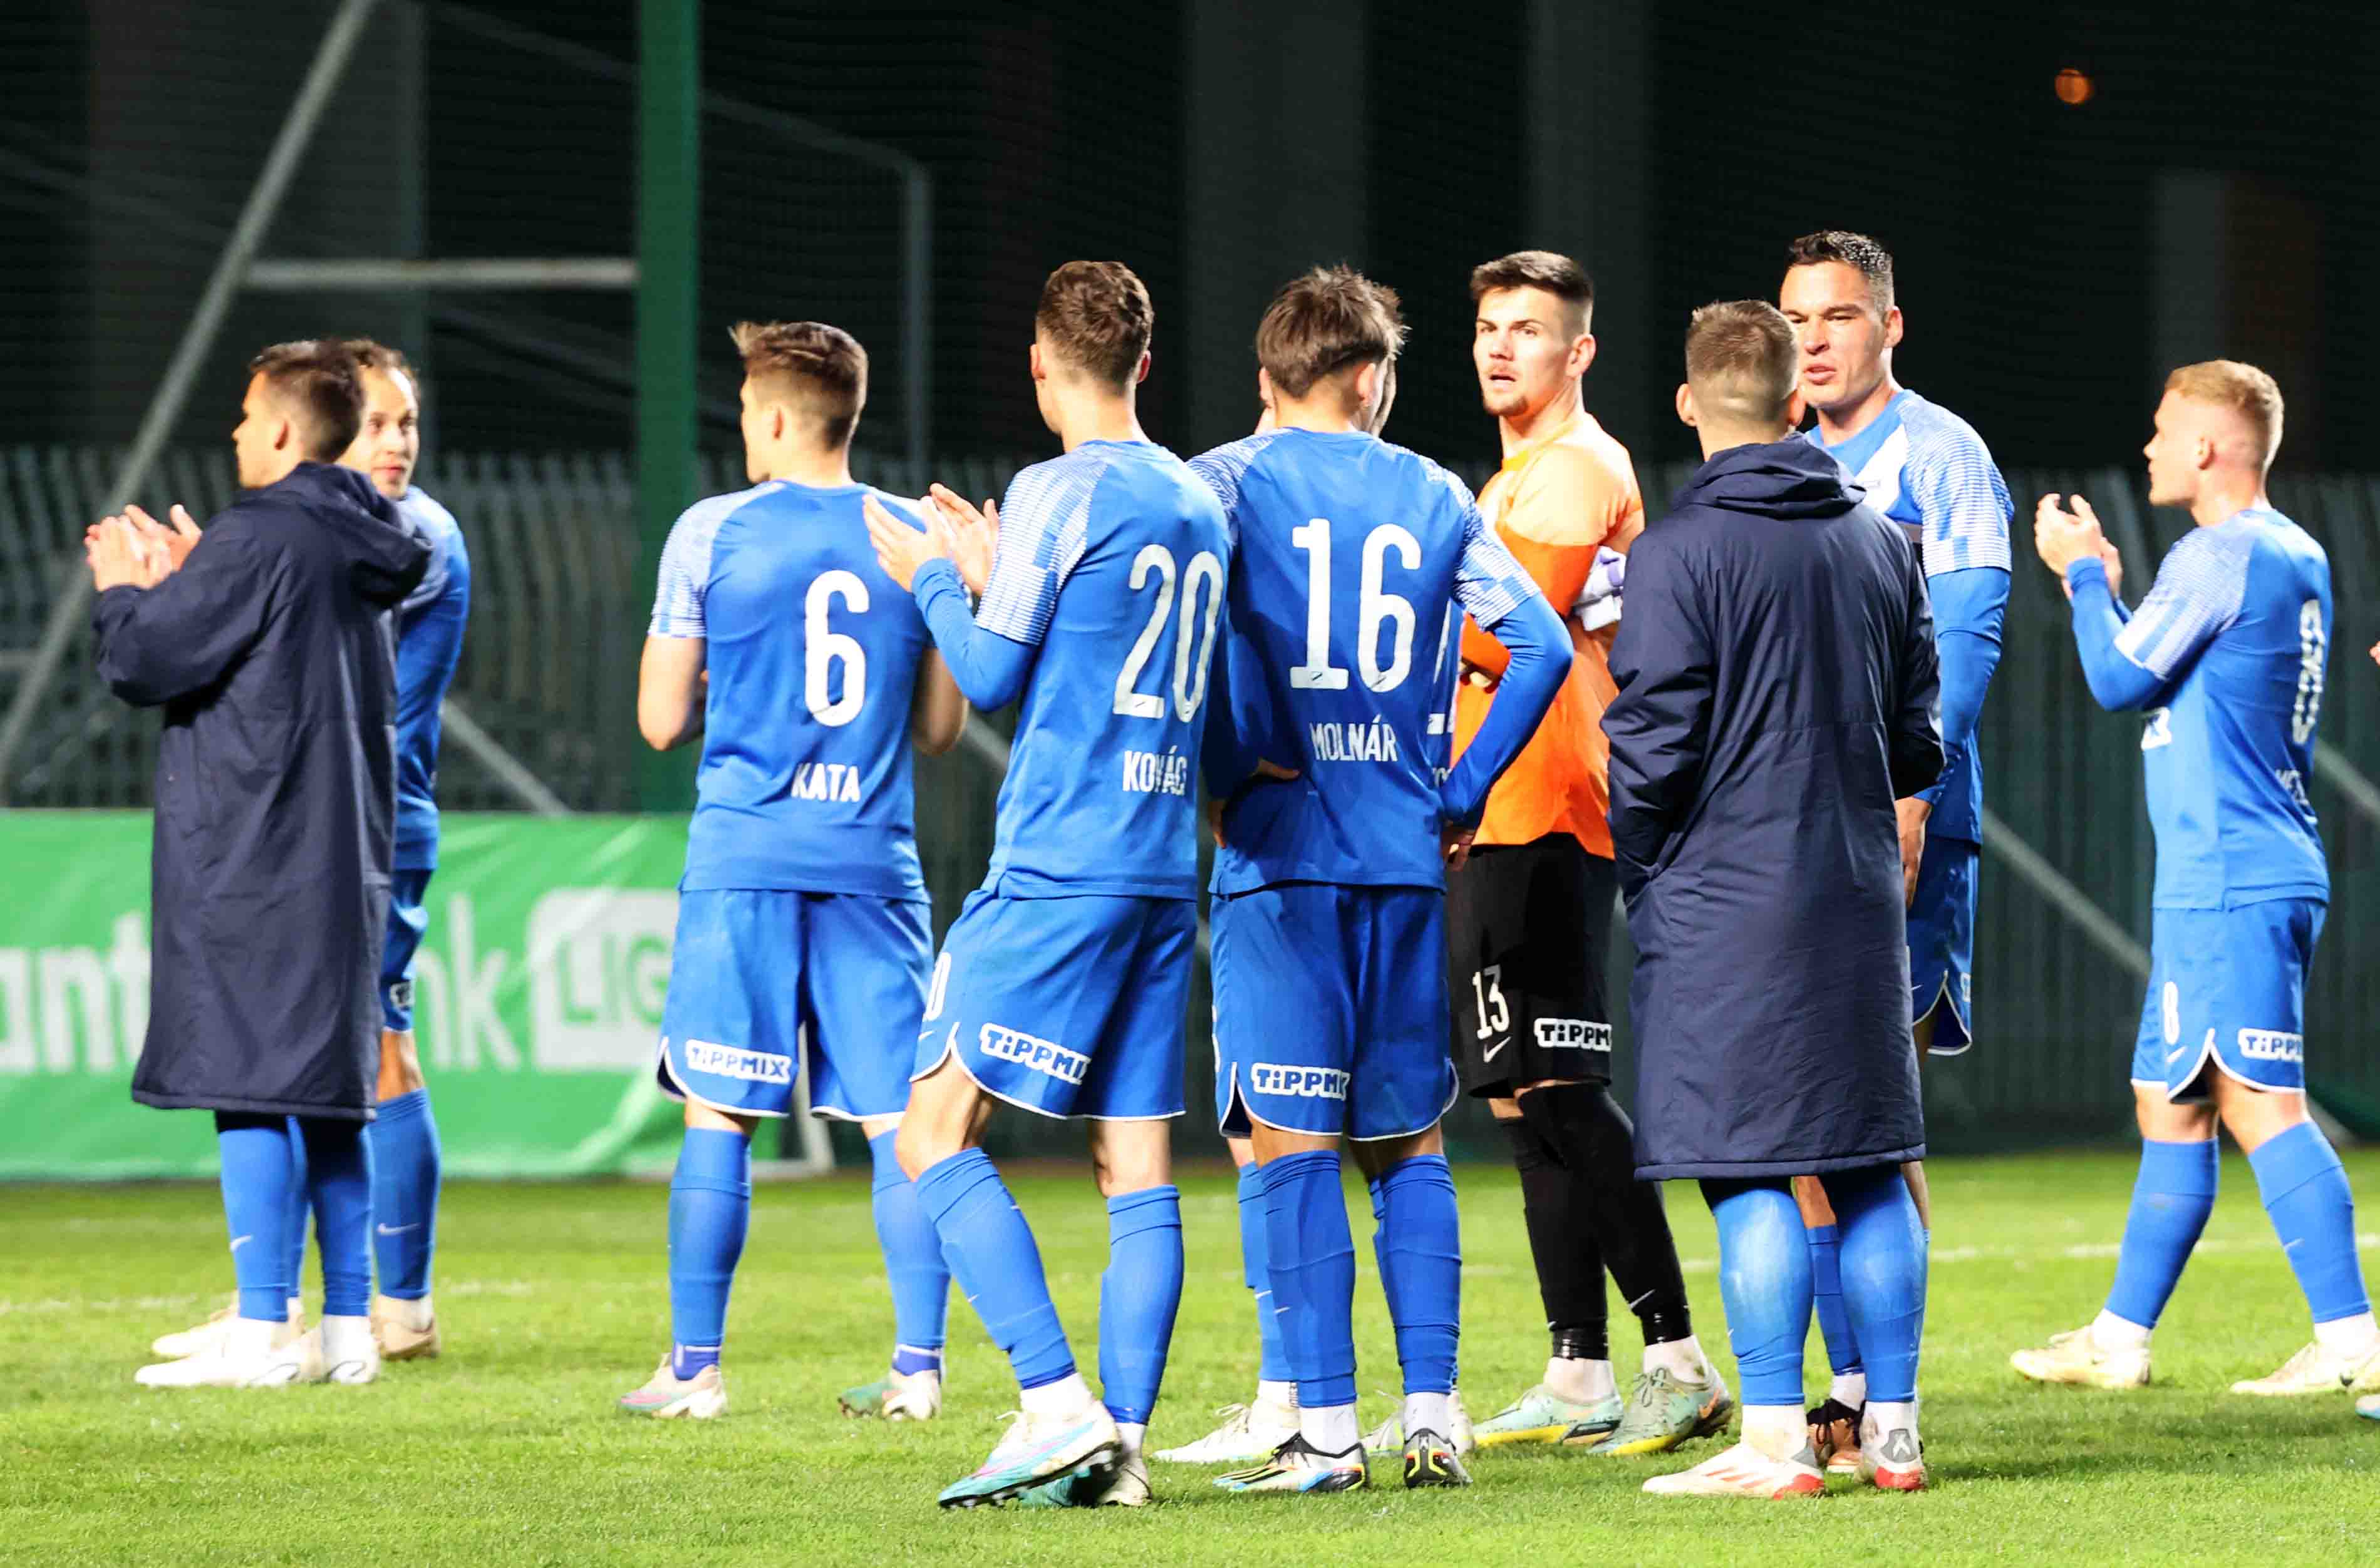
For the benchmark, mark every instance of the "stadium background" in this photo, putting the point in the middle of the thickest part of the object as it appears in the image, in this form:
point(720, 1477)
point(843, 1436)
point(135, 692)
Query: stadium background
point(2055, 258)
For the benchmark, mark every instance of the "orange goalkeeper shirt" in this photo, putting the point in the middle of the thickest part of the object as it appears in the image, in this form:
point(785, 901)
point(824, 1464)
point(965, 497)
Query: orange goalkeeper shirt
point(1554, 502)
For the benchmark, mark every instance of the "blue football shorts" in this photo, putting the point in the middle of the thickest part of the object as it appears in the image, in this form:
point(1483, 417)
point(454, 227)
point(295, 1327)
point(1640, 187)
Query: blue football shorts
point(1942, 943)
point(2227, 984)
point(1330, 1012)
point(1066, 1006)
point(769, 982)
point(408, 919)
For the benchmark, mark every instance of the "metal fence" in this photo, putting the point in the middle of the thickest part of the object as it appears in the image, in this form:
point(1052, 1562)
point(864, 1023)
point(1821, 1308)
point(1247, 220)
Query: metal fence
point(549, 673)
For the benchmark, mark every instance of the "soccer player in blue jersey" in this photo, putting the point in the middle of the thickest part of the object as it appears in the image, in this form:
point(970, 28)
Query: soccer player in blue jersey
point(1063, 986)
point(808, 677)
point(1925, 469)
point(2225, 659)
point(429, 646)
point(1354, 563)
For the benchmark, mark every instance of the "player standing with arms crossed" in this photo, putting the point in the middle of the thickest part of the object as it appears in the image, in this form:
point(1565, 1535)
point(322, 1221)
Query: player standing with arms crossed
point(808, 677)
point(1063, 987)
point(1528, 917)
point(1925, 469)
point(1354, 558)
point(2226, 656)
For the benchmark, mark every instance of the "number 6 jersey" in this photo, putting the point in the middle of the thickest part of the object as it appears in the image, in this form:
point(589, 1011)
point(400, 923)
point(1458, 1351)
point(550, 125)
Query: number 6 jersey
point(1110, 577)
point(1355, 563)
point(813, 652)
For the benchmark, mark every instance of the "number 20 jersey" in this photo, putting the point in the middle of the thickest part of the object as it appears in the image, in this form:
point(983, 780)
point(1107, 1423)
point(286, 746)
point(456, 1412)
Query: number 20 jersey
point(813, 652)
point(1355, 563)
point(1112, 564)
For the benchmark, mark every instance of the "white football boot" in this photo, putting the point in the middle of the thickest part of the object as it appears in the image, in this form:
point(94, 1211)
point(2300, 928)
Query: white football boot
point(1248, 1435)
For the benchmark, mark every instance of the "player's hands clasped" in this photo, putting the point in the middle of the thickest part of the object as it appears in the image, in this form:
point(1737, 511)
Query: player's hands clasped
point(968, 537)
point(900, 549)
point(2061, 538)
point(132, 549)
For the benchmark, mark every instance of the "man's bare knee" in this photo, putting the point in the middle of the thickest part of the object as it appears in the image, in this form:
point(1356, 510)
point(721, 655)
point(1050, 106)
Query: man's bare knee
point(946, 1114)
point(1385, 1154)
point(703, 1117)
point(1131, 1156)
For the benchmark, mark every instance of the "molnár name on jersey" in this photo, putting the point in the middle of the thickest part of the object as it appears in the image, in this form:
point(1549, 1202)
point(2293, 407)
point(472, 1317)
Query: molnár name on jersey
point(1356, 741)
point(1153, 773)
point(1040, 1055)
point(825, 781)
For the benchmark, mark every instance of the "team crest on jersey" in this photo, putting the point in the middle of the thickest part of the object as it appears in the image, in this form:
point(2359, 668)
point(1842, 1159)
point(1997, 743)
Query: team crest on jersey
point(1573, 1034)
point(2271, 1045)
point(825, 781)
point(1040, 1055)
point(1303, 1083)
point(732, 1061)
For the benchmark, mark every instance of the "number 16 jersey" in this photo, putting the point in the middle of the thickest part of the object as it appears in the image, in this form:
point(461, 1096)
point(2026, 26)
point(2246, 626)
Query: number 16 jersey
point(1112, 565)
point(805, 780)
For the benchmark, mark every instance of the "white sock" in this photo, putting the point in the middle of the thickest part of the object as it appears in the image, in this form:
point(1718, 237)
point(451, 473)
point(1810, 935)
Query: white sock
point(1580, 1380)
point(1132, 1432)
point(1068, 1396)
point(1683, 1359)
point(1429, 1412)
point(1886, 1416)
point(1331, 1428)
point(1849, 1390)
point(2352, 1337)
point(250, 1337)
point(2111, 1332)
point(1777, 1432)
point(1281, 1396)
point(297, 1309)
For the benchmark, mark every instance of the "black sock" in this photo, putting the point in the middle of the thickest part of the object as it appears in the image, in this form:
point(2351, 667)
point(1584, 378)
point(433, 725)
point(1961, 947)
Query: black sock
point(1561, 1240)
point(1587, 1127)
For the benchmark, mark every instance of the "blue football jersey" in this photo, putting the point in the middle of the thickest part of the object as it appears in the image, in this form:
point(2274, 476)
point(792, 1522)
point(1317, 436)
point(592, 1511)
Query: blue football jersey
point(1927, 468)
point(812, 652)
point(429, 647)
point(1354, 563)
point(2237, 626)
point(1112, 564)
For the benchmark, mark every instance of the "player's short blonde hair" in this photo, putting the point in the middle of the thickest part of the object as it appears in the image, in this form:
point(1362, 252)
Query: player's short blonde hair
point(2241, 387)
point(1097, 316)
point(822, 368)
point(1740, 359)
point(1323, 322)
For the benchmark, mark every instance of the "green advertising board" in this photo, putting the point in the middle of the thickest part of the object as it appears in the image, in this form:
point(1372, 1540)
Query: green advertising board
point(537, 997)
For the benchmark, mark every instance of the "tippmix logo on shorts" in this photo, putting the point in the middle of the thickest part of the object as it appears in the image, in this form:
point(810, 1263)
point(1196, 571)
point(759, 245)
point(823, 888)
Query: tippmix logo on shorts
point(1302, 1083)
point(1028, 1051)
point(1573, 1034)
point(734, 1061)
point(2272, 1045)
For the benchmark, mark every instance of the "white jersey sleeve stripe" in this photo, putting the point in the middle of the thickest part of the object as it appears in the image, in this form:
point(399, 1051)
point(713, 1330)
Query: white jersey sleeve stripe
point(2197, 594)
point(1044, 529)
point(686, 565)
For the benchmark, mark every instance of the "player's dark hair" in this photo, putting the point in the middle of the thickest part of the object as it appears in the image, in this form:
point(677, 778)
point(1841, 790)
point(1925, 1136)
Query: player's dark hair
point(1740, 359)
point(315, 380)
point(823, 368)
point(1323, 322)
point(1550, 269)
point(1097, 316)
point(1857, 251)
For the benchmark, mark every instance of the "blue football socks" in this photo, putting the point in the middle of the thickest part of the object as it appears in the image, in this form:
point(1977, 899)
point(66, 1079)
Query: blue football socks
point(1310, 1255)
point(2312, 1211)
point(406, 1159)
point(1420, 1251)
point(257, 1180)
point(1884, 1259)
point(1763, 1283)
point(1138, 1296)
point(913, 1263)
point(1827, 1291)
point(339, 1183)
point(709, 1210)
point(300, 1209)
point(1272, 1357)
point(2171, 1198)
point(993, 1255)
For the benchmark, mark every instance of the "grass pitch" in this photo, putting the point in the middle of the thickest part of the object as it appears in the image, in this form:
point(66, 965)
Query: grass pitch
point(507, 1451)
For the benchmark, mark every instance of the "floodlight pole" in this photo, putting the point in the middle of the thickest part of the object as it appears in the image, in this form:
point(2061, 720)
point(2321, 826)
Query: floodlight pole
point(669, 218)
point(182, 371)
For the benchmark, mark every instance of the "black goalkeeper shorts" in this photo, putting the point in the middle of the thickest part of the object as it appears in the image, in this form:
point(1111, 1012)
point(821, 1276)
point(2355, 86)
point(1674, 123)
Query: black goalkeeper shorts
point(1527, 928)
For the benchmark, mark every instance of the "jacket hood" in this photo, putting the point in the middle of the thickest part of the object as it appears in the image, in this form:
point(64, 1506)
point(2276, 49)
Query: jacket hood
point(1790, 480)
point(385, 556)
